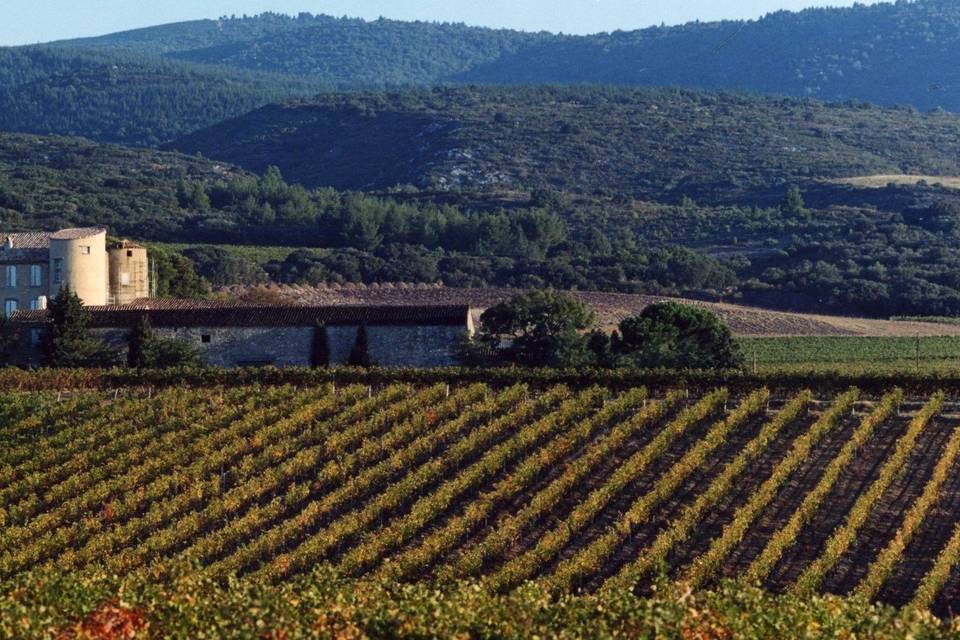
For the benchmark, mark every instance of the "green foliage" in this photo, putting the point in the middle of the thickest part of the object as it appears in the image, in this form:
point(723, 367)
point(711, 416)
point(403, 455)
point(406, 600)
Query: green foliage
point(174, 276)
point(10, 337)
point(114, 96)
point(138, 343)
point(325, 605)
point(538, 329)
point(649, 144)
point(792, 203)
point(360, 352)
point(936, 353)
point(340, 52)
point(320, 351)
point(677, 336)
point(148, 350)
point(886, 251)
point(887, 53)
point(221, 267)
point(67, 341)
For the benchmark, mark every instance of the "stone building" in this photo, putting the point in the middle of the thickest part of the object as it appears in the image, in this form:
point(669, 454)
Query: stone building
point(36, 266)
point(235, 334)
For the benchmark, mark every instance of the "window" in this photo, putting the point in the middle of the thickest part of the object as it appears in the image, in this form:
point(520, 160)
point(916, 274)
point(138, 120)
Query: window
point(84, 250)
point(38, 303)
point(35, 337)
point(10, 306)
point(125, 279)
point(205, 338)
point(57, 270)
point(11, 276)
point(129, 253)
point(36, 275)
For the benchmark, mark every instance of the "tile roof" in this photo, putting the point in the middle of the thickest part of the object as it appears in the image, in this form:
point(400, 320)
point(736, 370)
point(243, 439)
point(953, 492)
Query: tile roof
point(202, 313)
point(77, 234)
point(28, 240)
point(31, 246)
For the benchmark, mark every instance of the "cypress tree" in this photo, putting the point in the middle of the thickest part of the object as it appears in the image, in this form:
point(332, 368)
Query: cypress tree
point(320, 357)
point(139, 343)
point(360, 354)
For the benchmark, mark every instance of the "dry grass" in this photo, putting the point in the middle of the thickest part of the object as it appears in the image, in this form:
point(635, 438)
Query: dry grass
point(880, 181)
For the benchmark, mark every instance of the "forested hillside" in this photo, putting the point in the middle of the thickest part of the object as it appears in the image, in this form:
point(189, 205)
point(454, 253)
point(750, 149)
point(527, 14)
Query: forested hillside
point(660, 144)
point(151, 85)
point(342, 52)
point(887, 251)
point(887, 53)
point(902, 53)
point(126, 98)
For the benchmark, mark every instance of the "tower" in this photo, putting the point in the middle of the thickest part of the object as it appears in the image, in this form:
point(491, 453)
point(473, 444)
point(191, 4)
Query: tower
point(78, 261)
point(129, 272)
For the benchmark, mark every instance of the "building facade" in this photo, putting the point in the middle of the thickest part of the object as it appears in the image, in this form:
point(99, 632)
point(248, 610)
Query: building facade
point(35, 266)
point(234, 334)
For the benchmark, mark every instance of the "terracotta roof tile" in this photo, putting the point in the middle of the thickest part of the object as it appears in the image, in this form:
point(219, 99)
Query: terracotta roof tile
point(201, 313)
point(77, 234)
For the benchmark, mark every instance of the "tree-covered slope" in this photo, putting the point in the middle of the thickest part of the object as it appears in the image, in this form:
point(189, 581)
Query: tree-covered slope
point(126, 98)
point(890, 54)
point(649, 144)
point(342, 52)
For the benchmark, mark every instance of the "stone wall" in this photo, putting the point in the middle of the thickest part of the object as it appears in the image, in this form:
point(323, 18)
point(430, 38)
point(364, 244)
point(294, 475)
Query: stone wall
point(403, 346)
point(397, 346)
point(235, 346)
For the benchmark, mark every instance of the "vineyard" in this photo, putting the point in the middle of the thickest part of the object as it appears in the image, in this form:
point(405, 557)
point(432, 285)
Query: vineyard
point(584, 490)
point(926, 354)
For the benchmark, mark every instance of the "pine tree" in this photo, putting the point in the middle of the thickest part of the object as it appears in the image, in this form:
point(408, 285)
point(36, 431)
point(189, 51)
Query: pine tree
point(68, 341)
point(320, 357)
point(360, 354)
point(793, 204)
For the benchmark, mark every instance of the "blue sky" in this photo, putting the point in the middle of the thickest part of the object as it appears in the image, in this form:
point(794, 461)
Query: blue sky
point(30, 21)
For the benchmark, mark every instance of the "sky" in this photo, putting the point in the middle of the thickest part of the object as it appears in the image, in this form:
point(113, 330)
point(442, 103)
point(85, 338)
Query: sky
point(32, 21)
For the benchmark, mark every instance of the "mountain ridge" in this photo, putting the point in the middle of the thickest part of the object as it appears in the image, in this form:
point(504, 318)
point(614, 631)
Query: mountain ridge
point(886, 53)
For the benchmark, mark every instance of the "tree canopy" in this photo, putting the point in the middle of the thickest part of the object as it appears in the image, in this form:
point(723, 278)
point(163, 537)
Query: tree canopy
point(551, 329)
point(68, 341)
point(676, 336)
point(539, 329)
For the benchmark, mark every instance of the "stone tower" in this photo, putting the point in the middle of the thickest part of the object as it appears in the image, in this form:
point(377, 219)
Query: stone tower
point(129, 272)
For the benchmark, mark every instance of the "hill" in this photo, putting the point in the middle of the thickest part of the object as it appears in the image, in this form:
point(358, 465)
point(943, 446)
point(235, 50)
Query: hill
point(148, 86)
point(339, 52)
point(853, 251)
point(126, 98)
point(578, 487)
point(650, 144)
point(611, 308)
point(886, 53)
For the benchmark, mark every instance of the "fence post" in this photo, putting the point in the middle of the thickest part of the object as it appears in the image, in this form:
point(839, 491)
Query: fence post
point(918, 353)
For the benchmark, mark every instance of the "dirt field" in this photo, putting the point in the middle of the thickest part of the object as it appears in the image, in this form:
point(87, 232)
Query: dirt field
point(613, 307)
